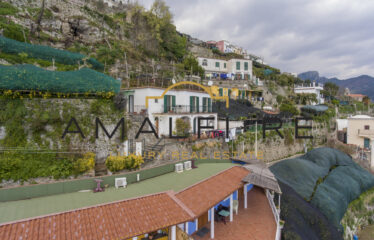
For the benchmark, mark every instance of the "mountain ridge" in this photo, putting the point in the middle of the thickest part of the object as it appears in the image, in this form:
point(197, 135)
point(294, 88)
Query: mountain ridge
point(363, 84)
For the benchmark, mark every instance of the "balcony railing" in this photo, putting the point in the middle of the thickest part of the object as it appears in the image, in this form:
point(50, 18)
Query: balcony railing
point(366, 133)
point(187, 109)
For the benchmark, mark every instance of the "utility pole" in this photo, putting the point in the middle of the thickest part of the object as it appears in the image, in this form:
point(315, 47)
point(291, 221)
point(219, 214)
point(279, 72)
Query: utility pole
point(256, 141)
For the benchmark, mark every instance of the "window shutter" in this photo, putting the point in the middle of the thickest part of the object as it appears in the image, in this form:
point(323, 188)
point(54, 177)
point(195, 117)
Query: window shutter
point(209, 105)
point(197, 104)
point(204, 104)
point(173, 102)
point(165, 103)
point(220, 92)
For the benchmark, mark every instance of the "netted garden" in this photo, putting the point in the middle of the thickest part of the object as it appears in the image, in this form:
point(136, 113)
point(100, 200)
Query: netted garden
point(11, 46)
point(32, 78)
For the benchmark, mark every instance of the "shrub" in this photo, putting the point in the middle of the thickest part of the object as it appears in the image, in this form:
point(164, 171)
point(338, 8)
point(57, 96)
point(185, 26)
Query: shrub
point(84, 164)
point(7, 9)
point(115, 163)
point(182, 127)
point(133, 161)
point(118, 163)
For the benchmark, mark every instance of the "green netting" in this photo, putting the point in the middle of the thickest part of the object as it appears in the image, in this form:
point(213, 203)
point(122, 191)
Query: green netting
point(29, 77)
point(46, 53)
point(315, 109)
point(326, 177)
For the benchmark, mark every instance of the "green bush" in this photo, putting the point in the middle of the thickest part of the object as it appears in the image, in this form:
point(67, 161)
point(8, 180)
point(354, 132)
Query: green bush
point(85, 163)
point(115, 163)
point(7, 9)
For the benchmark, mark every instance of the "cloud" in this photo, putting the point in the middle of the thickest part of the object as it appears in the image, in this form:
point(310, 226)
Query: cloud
point(334, 37)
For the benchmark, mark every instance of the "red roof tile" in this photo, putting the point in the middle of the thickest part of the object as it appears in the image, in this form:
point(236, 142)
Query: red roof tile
point(206, 194)
point(117, 220)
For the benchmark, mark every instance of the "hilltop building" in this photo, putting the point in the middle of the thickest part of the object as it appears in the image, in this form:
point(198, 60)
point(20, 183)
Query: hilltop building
point(311, 89)
point(233, 69)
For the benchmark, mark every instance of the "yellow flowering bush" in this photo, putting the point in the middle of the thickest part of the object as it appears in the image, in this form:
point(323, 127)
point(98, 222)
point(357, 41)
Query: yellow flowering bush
point(118, 163)
point(84, 164)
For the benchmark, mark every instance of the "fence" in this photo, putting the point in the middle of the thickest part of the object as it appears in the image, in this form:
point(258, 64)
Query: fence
point(27, 192)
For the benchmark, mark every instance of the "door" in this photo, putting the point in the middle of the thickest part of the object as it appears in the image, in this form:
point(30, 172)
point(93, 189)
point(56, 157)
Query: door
point(366, 143)
point(203, 220)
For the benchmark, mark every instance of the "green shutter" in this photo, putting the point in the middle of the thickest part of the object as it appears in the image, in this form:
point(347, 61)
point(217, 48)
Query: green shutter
point(191, 104)
point(165, 103)
point(220, 92)
point(197, 104)
point(209, 105)
point(173, 102)
point(204, 104)
point(229, 92)
point(246, 66)
point(237, 65)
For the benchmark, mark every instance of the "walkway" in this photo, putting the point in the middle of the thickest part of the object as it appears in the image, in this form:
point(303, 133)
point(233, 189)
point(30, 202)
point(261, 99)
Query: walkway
point(254, 223)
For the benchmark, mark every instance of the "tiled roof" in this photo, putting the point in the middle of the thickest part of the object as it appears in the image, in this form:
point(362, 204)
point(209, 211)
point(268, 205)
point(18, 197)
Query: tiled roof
point(206, 194)
point(117, 220)
point(356, 95)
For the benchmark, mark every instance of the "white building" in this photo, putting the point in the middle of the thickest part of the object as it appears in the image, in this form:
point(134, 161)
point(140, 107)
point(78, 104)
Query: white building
point(232, 69)
point(112, 3)
point(188, 105)
point(315, 89)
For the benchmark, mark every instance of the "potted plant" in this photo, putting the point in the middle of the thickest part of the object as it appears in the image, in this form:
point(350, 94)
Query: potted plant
point(281, 223)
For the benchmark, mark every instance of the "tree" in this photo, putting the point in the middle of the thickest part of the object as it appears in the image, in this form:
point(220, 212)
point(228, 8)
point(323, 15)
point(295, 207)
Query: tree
point(330, 90)
point(191, 62)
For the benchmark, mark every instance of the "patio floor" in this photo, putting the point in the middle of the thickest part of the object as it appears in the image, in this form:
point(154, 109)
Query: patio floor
point(15, 210)
point(254, 223)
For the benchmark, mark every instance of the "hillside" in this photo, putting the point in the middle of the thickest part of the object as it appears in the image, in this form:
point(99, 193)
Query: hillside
point(363, 84)
point(130, 41)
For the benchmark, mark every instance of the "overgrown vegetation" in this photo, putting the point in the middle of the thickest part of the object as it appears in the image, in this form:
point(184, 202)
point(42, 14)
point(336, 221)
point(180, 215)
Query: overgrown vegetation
point(34, 127)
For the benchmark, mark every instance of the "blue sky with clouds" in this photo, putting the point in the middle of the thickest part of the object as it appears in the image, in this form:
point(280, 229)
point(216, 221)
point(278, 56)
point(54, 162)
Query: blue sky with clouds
point(334, 37)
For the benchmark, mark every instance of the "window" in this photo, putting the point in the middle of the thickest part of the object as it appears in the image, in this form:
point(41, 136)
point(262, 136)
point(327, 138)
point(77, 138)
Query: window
point(367, 127)
point(207, 104)
point(156, 100)
point(205, 62)
point(169, 103)
point(217, 64)
point(224, 65)
point(237, 65)
point(194, 104)
point(246, 66)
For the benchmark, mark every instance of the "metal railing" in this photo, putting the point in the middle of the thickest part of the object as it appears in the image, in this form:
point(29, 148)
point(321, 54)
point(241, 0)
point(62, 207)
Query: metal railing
point(187, 109)
point(272, 205)
point(141, 109)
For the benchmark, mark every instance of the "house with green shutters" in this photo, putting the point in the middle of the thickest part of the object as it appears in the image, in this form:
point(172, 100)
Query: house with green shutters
point(188, 105)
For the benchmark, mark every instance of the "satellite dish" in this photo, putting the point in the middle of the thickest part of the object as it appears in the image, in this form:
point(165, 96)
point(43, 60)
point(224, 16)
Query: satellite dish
point(173, 81)
point(245, 85)
point(210, 83)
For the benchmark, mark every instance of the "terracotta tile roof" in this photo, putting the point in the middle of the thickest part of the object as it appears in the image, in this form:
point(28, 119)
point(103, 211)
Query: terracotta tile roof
point(206, 194)
point(356, 95)
point(117, 220)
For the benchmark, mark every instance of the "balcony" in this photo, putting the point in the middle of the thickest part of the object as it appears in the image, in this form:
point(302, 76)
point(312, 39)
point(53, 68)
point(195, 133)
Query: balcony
point(366, 133)
point(182, 109)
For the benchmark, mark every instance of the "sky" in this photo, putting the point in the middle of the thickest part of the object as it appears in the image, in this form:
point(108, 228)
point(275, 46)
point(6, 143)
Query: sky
point(334, 37)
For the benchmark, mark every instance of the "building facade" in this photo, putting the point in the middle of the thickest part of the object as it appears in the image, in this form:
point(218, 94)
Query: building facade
point(187, 105)
point(311, 89)
point(360, 131)
point(233, 69)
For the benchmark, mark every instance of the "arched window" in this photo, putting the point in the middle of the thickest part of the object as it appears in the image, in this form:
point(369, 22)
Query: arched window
point(205, 62)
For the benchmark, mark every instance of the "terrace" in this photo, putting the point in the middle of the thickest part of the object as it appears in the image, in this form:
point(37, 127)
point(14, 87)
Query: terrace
point(16, 210)
point(255, 222)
